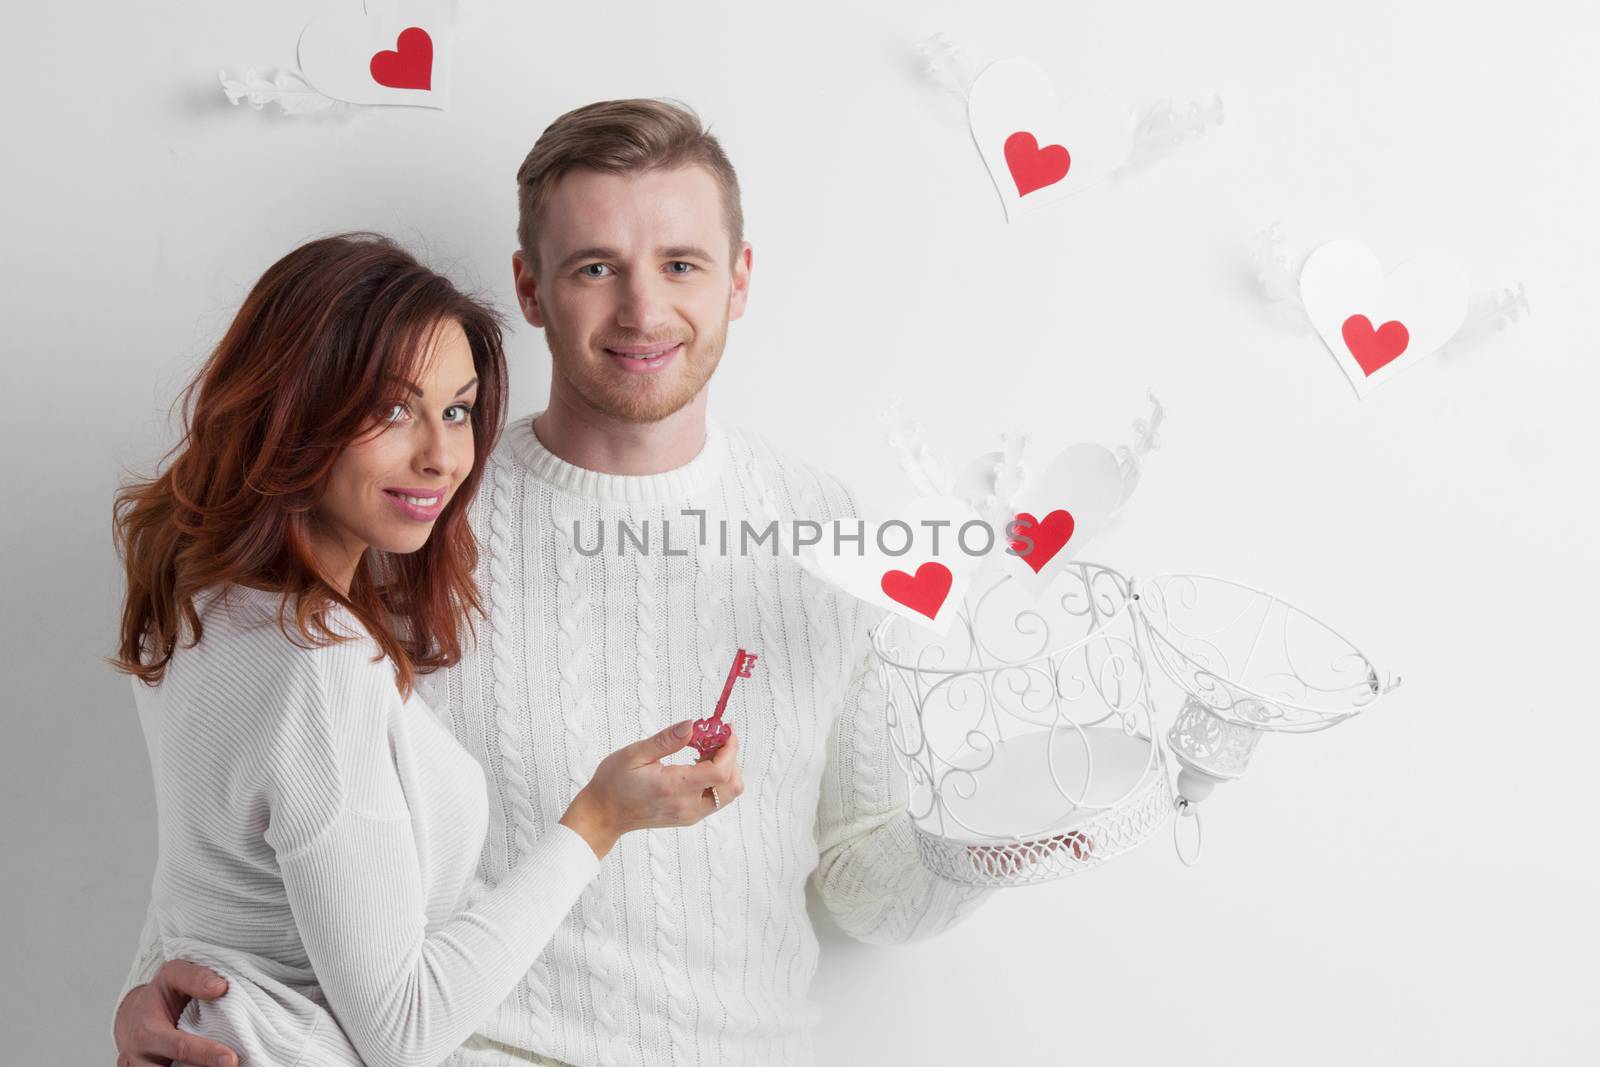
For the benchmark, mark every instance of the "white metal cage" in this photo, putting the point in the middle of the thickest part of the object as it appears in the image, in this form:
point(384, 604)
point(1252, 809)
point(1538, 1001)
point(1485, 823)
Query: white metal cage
point(1248, 663)
point(1026, 732)
point(1251, 658)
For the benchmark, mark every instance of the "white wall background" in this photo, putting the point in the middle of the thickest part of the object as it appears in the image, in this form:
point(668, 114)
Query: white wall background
point(1414, 887)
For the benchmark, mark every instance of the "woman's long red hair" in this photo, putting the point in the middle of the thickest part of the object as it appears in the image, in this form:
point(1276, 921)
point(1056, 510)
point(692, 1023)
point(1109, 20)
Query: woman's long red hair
point(313, 358)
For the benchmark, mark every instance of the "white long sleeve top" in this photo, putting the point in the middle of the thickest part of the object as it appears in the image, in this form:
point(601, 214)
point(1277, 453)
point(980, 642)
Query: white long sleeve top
point(317, 834)
point(691, 945)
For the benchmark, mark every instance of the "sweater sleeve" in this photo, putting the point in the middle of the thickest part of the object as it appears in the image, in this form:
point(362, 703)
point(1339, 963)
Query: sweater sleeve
point(403, 993)
point(869, 873)
point(147, 961)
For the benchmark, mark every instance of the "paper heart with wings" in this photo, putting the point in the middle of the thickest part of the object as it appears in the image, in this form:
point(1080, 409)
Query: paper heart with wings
point(395, 52)
point(1045, 521)
point(912, 564)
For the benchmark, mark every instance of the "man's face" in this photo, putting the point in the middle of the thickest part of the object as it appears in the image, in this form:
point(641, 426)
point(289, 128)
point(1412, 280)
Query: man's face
point(631, 265)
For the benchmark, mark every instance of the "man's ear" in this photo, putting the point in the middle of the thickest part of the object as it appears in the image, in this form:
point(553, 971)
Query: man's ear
point(525, 281)
point(739, 287)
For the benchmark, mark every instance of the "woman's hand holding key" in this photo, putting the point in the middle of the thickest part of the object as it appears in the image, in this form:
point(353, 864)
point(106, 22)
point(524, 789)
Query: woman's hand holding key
point(633, 790)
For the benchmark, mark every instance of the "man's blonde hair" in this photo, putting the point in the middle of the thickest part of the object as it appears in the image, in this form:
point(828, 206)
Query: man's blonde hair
point(621, 137)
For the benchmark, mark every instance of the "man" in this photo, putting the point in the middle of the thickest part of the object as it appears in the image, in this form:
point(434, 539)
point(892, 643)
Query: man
point(691, 946)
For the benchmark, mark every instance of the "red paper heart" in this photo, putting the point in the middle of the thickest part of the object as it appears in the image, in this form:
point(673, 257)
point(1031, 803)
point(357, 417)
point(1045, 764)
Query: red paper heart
point(1374, 348)
point(410, 66)
point(1033, 167)
point(924, 593)
point(1048, 537)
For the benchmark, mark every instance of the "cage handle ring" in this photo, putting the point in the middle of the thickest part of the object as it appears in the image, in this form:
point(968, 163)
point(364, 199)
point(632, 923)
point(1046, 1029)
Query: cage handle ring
point(1185, 809)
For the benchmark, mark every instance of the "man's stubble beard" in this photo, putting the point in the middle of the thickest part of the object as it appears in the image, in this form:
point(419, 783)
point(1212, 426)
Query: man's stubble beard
point(608, 391)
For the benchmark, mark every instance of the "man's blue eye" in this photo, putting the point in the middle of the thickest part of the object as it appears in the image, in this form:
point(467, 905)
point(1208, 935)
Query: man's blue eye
point(675, 263)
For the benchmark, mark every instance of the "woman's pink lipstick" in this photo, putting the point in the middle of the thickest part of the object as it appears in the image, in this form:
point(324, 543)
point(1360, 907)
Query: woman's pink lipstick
point(418, 512)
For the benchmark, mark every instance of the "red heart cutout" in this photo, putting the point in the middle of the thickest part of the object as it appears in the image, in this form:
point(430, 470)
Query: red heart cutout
point(1374, 348)
point(410, 66)
point(1033, 167)
point(924, 593)
point(1048, 537)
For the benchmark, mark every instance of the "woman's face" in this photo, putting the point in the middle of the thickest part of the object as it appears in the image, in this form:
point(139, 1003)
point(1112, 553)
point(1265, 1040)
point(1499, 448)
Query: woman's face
point(387, 489)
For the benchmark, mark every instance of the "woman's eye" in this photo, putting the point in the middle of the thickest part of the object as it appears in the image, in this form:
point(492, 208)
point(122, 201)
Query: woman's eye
point(465, 411)
point(390, 416)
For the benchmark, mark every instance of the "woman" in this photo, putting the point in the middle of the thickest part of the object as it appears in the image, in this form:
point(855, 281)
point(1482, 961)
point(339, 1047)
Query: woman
point(302, 558)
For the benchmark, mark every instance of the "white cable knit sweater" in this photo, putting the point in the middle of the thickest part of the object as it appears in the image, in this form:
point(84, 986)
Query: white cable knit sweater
point(690, 946)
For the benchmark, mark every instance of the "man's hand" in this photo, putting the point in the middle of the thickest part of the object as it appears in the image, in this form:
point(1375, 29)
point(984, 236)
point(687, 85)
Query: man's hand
point(1007, 859)
point(146, 1028)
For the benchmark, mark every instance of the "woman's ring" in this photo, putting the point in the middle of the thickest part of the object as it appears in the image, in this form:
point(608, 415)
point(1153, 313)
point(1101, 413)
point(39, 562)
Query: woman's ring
point(716, 801)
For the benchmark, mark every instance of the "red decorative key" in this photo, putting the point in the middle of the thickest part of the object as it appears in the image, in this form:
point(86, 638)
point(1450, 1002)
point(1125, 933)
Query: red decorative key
point(710, 734)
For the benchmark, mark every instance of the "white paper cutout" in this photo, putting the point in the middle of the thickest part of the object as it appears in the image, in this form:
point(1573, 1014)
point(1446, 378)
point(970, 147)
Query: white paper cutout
point(989, 484)
point(921, 465)
point(1377, 325)
point(925, 584)
point(464, 15)
point(1488, 315)
point(1165, 126)
point(1278, 279)
point(1040, 149)
point(286, 88)
point(1146, 439)
point(1060, 512)
point(393, 54)
point(1054, 515)
point(1160, 130)
point(942, 60)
